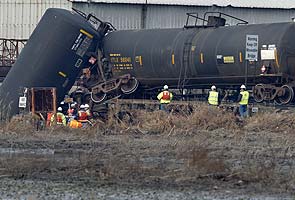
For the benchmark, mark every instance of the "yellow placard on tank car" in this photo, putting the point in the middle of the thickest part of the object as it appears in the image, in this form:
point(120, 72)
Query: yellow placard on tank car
point(228, 59)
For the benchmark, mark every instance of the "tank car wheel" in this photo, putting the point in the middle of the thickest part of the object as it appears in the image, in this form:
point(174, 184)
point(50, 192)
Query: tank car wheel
point(130, 86)
point(98, 97)
point(258, 93)
point(286, 97)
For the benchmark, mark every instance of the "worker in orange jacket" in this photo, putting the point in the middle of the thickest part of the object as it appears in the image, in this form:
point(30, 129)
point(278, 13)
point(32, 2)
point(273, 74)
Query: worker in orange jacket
point(75, 124)
point(82, 114)
point(87, 110)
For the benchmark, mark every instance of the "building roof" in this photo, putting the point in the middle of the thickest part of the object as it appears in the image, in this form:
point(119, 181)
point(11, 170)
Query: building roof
point(281, 4)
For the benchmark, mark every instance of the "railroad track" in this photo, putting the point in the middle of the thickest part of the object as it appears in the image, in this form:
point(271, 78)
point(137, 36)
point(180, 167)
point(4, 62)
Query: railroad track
point(188, 106)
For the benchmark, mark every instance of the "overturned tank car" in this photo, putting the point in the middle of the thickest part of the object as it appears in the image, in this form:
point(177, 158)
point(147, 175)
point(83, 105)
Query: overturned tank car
point(54, 55)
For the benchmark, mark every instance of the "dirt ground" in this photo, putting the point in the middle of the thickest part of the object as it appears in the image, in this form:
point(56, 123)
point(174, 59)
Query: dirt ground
point(205, 155)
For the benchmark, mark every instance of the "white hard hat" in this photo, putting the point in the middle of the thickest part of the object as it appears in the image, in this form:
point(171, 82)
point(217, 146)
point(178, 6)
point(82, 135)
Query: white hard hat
point(62, 103)
point(213, 87)
point(82, 106)
point(73, 105)
point(243, 87)
point(165, 87)
point(86, 105)
point(59, 108)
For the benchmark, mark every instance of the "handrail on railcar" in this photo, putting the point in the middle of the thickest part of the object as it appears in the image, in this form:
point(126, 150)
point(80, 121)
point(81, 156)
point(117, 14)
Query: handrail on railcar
point(227, 15)
point(92, 19)
point(196, 17)
point(205, 19)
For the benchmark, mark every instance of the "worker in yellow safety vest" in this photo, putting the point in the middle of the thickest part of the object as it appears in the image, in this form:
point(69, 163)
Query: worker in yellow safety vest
point(165, 98)
point(60, 118)
point(243, 101)
point(213, 96)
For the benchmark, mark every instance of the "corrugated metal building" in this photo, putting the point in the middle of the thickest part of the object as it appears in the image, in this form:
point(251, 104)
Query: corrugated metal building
point(18, 18)
point(136, 14)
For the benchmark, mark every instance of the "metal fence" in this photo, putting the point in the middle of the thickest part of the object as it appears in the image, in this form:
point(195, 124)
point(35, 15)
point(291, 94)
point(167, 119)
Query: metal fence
point(9, 50)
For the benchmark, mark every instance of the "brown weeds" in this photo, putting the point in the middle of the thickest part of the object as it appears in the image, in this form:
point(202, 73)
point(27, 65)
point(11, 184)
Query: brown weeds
point(159, 122)
point(271, 121)
point(157, 147)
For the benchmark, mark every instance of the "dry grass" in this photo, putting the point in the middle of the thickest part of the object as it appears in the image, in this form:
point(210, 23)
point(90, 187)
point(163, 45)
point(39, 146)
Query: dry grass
point(24, 124)
point(271, 121)
point(159, 122)
point(164, 148)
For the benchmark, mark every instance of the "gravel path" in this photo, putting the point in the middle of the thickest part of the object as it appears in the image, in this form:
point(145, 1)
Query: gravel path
point(30, 190)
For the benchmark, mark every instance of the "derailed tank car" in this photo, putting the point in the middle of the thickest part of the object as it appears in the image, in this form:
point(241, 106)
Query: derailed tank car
point(193, 57)
point(198, 56)
point(53, 56)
